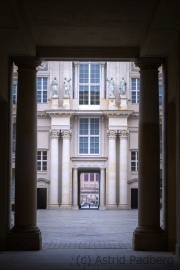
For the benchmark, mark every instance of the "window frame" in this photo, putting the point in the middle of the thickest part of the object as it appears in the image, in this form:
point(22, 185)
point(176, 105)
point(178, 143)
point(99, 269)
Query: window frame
point(89, 84)
point(134, 161)
point(41, 161)
point(136, 91)
point(88, 136)
point(42, 90)
point(14, 94)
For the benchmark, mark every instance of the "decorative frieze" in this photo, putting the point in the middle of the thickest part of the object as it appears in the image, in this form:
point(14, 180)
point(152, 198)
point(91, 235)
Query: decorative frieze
point(43, 66)
point(111, 134)
point(134, 67)
point(123, 134)
point(54, 133)
point(66, 134)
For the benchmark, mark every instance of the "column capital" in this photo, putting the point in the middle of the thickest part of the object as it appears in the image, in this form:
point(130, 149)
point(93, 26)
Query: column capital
point(76, 63)
point(54, 133)
point(66, 134)
point(112, 134)
point(102, 64)
point(27, 62)
point(123, 134)
point(148, 63)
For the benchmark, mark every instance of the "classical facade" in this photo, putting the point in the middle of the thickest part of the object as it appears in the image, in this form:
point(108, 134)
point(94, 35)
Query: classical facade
point(87, 134)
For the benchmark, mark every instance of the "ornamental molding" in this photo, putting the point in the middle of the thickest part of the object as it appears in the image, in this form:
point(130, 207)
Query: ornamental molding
point(112, 134)
point(43, 66)
point(66, 134)
point(123, 134)
point(133, 67)
point(54, 133)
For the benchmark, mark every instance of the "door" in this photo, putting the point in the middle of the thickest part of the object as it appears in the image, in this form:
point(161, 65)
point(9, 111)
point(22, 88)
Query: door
point(89, 190)
point(134, 198)
point(41, 198)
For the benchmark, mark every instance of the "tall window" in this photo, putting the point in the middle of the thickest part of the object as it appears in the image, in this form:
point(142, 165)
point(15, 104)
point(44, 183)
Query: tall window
point(14, 94)
point(160, 95)
point(14, 141)
point(41, 90)
point(42, 160)
point(135, 86)
point(89, 84)
point(89, 136)
point(134, 161)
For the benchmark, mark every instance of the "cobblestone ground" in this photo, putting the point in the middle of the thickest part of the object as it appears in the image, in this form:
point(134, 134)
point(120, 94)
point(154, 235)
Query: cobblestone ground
point(81, 226)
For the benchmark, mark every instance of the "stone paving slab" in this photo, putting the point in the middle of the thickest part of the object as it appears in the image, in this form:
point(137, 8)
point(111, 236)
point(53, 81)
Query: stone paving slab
point(86, 245)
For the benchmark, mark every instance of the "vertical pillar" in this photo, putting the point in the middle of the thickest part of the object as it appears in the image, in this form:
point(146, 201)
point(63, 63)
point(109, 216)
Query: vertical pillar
point(25, 235)
point(123, 200)
point(149, 235)
point(102, 190)
point(111, 203)
point(75, 189)
point(102, 79)
point(66, 134)
point(76, 64)
point(53, 201)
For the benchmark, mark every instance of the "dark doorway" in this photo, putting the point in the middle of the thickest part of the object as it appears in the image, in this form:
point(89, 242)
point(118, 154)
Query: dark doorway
point(41, 198)
point(134, 198)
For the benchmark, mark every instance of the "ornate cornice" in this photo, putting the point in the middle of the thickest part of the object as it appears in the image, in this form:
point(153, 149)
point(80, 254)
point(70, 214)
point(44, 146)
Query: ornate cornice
point(66, 134)
point(134, 67)
point(43, 66)
point(123, 134)
point(111, 134)
point(54, 133)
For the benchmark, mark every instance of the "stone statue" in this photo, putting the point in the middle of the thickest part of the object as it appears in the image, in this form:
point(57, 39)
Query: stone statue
point(122, 87)
point(111, 87)
point(67, 87)
point(54, 88)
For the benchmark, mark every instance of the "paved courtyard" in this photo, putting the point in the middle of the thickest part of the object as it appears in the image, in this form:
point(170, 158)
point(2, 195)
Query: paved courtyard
point(83, 226)
point(87, 239)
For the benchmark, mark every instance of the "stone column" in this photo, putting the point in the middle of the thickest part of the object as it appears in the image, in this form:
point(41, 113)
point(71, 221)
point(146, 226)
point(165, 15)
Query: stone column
point(102, 79)
point(149, 235)
point(76, 64)
point(53, 200)
point(66, 134)
point(25, 235)
point(75, 189)
point(111, 202)
point(102, 190)
point(123, 200)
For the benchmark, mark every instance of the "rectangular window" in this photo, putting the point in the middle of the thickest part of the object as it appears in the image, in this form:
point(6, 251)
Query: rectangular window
point(89, 84)
point(135, 87)
point(134, 161)
point(160, 137)
point(14, 141)
point(14, 94)
point(91, 177)
point(160, 95)
point(160, 188)
point(42, 160)
point(89, 136)
point(13, 189)
point(86, 177)
point(41, 90)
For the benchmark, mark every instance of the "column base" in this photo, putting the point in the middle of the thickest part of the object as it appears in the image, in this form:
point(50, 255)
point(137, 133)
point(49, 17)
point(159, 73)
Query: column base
point(149, 241)
point(123, 207)
point(102, 208)
point(111, 206)
point(53, 206)
point(178, 251)
point(65, 206)
point(24, 241)
point(75, 207)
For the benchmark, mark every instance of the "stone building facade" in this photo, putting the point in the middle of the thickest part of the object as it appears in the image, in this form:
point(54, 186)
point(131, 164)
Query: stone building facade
point(87, 127)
